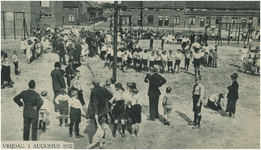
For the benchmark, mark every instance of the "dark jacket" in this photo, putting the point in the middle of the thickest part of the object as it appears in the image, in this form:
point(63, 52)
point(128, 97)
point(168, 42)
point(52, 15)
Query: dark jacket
point(30, 99)
point(78, 49)
point(233, 91)
point(155, 81)
point(57, 80)
point(89, 40)
point(60, 49)
point(99, 101)
point(69, 71)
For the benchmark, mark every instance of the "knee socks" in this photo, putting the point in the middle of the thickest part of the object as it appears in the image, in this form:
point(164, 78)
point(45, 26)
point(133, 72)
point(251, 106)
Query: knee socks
point(195, 118)
point(115, 128)
point(123, 126)
point(199, 119)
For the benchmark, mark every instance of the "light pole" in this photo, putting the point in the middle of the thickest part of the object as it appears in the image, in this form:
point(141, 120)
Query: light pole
point(114, 73)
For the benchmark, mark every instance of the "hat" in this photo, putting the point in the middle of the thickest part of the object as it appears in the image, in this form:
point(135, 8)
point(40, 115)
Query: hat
point(95, 80)
point(198, 78)
point(118, 85)
point(57, 64)
point(44, 93)
point(131, 84)
point(234, 76)
point(155, 67)
point(134, 90)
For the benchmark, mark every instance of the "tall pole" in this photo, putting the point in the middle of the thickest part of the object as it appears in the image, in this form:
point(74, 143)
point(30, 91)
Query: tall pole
point(14, 27)
point(115, 41)
point(238, 35)
point(4, 24)
point(228, 35)
point(141, 14)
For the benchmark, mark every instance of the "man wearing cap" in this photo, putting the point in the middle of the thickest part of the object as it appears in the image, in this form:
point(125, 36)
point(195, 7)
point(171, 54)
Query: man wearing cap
point(155, 81)
point(98, 106)
point(232, 96)
point(32, 103)
point(57, 82)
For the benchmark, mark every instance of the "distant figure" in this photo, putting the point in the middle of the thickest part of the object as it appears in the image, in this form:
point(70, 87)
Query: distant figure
point(232, 96)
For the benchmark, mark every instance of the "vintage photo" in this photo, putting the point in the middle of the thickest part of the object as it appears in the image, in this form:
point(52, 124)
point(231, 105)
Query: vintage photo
point(130, 74)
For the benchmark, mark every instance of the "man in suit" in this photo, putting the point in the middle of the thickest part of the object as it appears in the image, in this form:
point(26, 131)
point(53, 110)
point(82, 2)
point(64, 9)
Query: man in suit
point(61, 51)
point(232, 96)
point(98, 107)
point(155, 81)
point(32, 103)
point(89, 41)
point(57, 82)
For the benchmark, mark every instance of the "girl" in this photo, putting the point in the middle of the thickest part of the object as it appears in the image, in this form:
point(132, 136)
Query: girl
point(29, 48)
point(119, 109)
point(5, 72)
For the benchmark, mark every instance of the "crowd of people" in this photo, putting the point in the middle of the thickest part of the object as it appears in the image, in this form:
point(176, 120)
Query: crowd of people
point(111, 103)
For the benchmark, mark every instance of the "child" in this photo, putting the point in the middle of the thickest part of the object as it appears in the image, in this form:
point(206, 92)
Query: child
point(44, 112)
point(98, 136)
point(15, 60)
point(145, 58)
point(177, 61)
point(170, 60)
point(167, 103)
point(62, 101)
point(164, 59)
point(23, 45)
point(76, 111)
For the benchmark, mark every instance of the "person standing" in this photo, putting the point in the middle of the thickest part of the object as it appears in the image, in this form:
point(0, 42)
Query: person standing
point(32, 103)
point(198, 95)
point(151, 42)
point(61, 51)
point(232, 96)
point(77, 53)
point(57, 82)
point(192, 38)
point(15, 61)
point(155, 81)
point(98, 107)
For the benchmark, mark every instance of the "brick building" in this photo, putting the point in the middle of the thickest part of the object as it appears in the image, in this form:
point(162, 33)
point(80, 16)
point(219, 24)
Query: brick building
point(194, 14)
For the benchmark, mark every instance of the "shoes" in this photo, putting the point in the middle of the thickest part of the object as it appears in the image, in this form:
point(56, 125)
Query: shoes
point(60, 125)
point(66, 125)
point(79, 136)
point(43, 131)
point(192, 123)
point(114, 135)
point(196, 127)
point(150, 119)
point(70, 135)
point(167, 123)
point(123, 135)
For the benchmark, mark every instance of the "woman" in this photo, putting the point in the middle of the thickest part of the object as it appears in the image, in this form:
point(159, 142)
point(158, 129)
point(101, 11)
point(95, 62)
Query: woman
point(232, 96)
point(5, 72)
point(118, 109)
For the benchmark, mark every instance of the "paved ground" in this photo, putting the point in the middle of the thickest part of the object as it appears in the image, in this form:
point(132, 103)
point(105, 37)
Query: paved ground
point(217, 131)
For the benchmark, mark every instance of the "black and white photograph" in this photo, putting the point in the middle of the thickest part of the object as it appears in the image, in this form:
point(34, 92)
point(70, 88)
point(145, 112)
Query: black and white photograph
point(130, 74)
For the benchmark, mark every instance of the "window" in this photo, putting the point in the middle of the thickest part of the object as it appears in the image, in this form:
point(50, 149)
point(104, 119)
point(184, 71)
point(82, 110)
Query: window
point(258, 21)
point(160, 20)
point(192, 20)
point(166, 22)
point(234, 20)
point(150, 19)
point(176, 20)
point(244, 23)
point(208, 22)
point(202, 22)
point(44, 3)
point(71, 17)
point(218, 20)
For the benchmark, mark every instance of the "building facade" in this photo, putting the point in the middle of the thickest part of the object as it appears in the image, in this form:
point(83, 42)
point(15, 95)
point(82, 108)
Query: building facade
point(192, 14)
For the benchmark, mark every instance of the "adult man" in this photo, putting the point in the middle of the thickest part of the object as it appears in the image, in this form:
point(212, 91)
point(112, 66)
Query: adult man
point(232, 96)
point(155, 81)
point(98, 107)
point(57, 82)
point(32, 103)
point(69, 74)
point(198, 95)
point(77, 53)
point(89, 41)
point(61, 51)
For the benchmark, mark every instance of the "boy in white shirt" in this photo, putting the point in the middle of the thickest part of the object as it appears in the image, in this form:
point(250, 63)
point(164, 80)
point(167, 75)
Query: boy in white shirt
point(62, 101)
point(177, 60)
point(44, 111)
point(171, 59)
point(164, 59)
point(145, 58)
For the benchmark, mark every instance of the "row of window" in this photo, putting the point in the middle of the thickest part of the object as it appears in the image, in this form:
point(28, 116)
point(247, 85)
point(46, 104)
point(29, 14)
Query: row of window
point(192, 20)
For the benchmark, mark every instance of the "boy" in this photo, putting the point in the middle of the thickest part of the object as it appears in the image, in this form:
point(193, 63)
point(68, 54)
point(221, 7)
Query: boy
point(171, 58)
point(164, 59)
point(62, 101)
point(145, 57)
point(167, 103)
point(177, 60)
point(15, 60)
point(44, 112)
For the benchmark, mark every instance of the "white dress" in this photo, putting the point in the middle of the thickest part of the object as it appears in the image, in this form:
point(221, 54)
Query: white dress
point(28, 51)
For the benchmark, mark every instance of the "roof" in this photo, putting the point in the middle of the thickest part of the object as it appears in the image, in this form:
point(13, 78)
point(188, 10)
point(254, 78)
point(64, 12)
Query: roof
point(254, 5)
point(249, 5)
point(92, 4)
point(74, 4)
